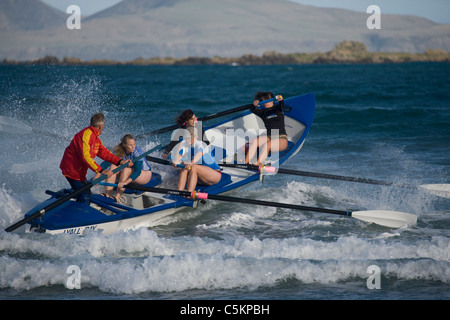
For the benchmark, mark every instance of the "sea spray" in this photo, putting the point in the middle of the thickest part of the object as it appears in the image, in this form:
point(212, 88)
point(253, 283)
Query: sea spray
point(10, 208)
point(140, 261)
point(371, 129)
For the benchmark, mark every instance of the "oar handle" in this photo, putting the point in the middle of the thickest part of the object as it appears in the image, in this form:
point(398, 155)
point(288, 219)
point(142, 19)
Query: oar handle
point(266, 101)
point(262, 168)
point(199, 195)
point(261, 103)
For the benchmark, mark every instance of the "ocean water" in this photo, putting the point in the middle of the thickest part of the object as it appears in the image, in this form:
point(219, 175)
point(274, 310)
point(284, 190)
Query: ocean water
point(386, 122)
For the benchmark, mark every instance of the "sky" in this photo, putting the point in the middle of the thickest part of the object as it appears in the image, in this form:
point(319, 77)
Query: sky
point(435, 10)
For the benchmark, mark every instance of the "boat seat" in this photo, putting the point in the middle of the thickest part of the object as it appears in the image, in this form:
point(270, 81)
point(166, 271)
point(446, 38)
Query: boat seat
point(154, 181)
point(218, 187)
point(282, 153)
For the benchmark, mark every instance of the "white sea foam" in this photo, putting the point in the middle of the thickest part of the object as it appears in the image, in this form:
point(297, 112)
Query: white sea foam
point(225, 246)
point(140, 261)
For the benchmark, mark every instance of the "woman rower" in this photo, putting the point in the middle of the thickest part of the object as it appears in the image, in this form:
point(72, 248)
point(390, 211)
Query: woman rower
point(185, 120)
point(140, 173)
point(199, 164)
point(276, 138)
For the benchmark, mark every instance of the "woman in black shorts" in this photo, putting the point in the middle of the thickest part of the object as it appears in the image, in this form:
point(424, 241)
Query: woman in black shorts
point(272, 115)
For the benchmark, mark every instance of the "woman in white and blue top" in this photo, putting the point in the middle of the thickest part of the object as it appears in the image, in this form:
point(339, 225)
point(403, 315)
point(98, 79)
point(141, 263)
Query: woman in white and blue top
point(199, 164)
point(140, 173)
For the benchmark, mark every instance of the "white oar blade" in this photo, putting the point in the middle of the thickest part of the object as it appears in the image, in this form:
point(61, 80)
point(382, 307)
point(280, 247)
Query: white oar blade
point(391, 219)
point(441, 190)
point(13, 126)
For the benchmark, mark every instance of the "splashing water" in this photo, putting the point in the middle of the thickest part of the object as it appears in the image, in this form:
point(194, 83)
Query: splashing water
point(227, 250)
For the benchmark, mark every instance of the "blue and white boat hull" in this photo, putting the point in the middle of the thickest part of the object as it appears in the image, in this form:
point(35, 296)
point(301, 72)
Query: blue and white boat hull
point(137, 210)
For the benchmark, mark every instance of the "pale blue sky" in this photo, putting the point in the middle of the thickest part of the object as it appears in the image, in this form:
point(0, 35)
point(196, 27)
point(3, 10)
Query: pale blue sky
point(436, 10)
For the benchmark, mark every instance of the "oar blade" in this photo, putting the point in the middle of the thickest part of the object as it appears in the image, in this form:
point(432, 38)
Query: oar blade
point(391, 219)
point(441, 190)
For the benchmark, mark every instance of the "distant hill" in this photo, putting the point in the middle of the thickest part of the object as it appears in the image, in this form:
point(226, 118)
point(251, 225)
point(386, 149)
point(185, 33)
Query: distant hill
point(205, 28)
point(134, 7)
point(28, 15)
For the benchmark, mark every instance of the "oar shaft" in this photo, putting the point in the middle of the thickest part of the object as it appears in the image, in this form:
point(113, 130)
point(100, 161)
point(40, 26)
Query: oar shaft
point(225, 113)
point(292, 172)
point(234, 110)
point(309, 174)
point(333, 177)
point(205, 118)
point(198, 195)
point(60, 201)
point(40, 213)
point(390, 219)
point(51, 206)
point(276, 204)
point(441, 190)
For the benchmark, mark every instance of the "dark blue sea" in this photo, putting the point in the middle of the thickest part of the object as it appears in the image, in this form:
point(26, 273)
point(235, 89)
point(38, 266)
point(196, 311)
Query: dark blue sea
point(387, 122)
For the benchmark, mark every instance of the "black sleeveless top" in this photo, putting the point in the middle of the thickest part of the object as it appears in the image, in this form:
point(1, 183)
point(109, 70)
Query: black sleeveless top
point(273, 118)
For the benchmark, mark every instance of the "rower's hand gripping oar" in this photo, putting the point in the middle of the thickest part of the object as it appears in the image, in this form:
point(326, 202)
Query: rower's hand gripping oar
point(73, 194)
point(205, 118)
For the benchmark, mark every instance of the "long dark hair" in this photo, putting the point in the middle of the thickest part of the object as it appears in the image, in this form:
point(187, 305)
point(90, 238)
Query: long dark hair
point(184, 116)
point(263, 95)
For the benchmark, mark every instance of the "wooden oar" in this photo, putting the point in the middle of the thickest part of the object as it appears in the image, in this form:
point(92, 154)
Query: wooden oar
point(391, 219)
point(205, 118)
point(73, 194)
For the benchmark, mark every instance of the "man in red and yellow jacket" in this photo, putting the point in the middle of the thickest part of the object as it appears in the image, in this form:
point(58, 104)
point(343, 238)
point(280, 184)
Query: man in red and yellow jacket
point(79, 156)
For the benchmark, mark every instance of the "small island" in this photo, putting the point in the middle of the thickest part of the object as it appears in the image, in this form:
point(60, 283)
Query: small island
point(346, 52)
